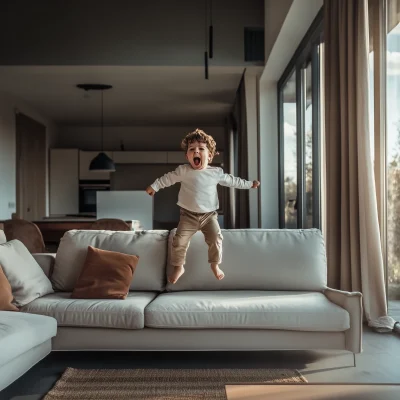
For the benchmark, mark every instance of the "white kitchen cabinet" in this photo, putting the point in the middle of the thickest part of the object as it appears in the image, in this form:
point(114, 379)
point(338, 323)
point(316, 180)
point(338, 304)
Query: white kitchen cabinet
point(140, 157)
point(85, 158)
point(64, 181)
point(178, 157)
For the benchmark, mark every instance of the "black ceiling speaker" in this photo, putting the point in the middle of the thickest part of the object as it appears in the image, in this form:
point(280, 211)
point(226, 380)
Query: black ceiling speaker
point(101, 162)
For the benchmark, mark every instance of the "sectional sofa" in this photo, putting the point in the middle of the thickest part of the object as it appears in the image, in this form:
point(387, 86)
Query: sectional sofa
point(274, 296)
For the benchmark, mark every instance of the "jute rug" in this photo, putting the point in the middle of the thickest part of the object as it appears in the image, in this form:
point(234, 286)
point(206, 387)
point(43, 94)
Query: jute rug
point(161, 384)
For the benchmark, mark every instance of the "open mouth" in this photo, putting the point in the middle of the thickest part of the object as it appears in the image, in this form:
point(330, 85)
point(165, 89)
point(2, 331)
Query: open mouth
point(196, 161)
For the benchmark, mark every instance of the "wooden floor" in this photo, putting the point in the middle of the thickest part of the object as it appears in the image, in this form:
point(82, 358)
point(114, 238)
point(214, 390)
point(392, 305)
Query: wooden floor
point(379, 363)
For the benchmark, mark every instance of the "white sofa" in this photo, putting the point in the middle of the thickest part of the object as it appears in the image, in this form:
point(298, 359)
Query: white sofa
point(24, 340)
point(273, 297)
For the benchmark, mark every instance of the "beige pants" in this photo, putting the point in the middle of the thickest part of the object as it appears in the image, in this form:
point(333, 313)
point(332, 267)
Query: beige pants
point(189, 224)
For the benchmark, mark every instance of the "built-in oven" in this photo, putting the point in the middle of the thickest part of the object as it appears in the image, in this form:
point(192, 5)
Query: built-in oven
point(88, 196)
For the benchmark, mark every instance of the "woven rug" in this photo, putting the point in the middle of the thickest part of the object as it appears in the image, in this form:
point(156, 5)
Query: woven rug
point(161, 384)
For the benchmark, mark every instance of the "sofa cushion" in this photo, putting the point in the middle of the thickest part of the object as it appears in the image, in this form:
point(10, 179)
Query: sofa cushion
point(242, 309)
point(257, 259)
point(21, 332)
point(6, 296)
point(27, 279)
point(150, 246)
point(105, 275)
point(125, 314)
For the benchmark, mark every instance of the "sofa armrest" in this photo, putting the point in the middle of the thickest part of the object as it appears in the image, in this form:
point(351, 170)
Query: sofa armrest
point(46, 262)
point(352, 303)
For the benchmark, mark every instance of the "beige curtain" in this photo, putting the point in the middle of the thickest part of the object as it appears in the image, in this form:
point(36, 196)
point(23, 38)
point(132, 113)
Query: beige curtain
point(354, 253)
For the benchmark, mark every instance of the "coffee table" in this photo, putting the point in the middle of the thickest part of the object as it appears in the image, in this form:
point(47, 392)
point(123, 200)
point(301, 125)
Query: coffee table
point(314, 391)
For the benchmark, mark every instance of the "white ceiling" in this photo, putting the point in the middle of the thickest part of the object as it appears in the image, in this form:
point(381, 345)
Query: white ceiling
point(140, 95)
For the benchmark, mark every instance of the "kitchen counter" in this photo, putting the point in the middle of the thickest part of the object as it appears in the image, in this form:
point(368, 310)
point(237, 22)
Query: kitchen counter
point(53, 228)
point(64, 219)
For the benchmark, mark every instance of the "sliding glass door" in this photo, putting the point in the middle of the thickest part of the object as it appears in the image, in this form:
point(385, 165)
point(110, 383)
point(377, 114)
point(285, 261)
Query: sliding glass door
point(384, 85)
point(299, 135)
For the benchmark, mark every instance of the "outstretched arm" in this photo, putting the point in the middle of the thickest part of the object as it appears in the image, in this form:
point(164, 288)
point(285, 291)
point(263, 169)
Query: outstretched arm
point(238, 183)
point(169, 179)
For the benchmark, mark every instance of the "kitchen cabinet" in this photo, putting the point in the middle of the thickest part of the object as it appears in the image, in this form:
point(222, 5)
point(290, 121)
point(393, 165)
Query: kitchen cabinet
point(85, 158)
point(64, 181)
point(140, 157)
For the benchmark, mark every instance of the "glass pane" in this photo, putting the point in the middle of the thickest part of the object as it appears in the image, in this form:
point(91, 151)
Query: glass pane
point(393, 150)
point(308, 144)
point(290, 151)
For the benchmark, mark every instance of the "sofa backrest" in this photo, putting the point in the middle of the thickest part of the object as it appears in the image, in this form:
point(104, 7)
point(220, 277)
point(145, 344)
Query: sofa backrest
point(150, 246)
point(257, 259)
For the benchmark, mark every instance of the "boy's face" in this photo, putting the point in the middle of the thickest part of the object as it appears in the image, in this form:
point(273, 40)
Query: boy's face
point(198, 155)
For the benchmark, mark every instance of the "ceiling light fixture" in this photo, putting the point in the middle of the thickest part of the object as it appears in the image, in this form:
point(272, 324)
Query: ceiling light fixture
point(101, 162)
point(209, 40)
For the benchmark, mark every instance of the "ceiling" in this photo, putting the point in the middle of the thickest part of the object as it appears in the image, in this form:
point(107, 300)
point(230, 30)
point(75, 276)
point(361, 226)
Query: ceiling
point(140, 95)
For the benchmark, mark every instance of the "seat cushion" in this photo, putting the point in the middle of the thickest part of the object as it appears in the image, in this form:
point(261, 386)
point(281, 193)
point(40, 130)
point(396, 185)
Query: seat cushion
point(257, 259)
point(21, 332)
point(299, 311)
point(122, 314)
point(149, 246)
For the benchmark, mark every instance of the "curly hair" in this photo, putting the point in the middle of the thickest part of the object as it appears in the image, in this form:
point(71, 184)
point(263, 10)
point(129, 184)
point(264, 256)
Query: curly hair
point(200, 136)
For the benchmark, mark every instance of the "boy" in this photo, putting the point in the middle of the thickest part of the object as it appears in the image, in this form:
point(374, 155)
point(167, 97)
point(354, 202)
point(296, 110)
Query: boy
point(198, 200)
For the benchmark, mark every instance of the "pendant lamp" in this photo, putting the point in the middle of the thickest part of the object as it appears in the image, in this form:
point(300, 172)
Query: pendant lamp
point(101, 163)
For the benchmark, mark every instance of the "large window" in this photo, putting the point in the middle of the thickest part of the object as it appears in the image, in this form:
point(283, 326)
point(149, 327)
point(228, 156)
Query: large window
point(385, 130)
point(393, 146)
point(299, 134)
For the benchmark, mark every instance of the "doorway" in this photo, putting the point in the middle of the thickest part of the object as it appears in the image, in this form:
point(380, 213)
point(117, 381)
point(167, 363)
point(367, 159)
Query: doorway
point(31, 168)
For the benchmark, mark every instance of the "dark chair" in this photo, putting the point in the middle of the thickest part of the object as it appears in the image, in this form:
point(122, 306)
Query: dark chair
point(27, 232)
point(110, 224)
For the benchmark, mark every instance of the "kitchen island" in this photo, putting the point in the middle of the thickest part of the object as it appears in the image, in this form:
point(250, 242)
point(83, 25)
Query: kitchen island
point(53, 228)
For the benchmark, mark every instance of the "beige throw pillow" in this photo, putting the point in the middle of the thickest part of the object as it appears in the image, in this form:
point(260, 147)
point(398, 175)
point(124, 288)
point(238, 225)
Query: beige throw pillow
point(27, 279)
point(3, 238)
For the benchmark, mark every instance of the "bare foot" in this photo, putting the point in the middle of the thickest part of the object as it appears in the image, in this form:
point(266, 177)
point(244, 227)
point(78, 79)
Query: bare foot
point(219, 274)
point(178, 271)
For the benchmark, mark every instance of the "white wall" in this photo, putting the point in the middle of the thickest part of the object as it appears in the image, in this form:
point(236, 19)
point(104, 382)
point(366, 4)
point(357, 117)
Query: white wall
point(121, 32)
point(274, 18)
point(137, 138)
point(299, 16)
point(8, 107)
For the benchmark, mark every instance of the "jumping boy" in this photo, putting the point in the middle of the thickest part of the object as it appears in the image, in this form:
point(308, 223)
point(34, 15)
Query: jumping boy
point(198, 200)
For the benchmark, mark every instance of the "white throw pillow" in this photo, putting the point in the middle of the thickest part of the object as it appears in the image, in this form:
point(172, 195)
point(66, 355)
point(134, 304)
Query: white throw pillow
point(2, 237)
point(27, 279)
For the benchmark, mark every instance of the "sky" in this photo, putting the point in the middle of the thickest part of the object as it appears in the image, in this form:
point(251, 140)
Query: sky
point(393, 108)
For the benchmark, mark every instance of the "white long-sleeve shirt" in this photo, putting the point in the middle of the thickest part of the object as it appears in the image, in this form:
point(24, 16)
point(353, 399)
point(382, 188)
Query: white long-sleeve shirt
point(198, 192)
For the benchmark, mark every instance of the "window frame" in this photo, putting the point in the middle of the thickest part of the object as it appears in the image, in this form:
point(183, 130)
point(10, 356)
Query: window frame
point(307, 52)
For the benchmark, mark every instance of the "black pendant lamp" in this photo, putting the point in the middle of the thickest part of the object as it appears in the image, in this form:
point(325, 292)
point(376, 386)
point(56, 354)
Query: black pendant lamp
point(208, 52)
point(101, 163)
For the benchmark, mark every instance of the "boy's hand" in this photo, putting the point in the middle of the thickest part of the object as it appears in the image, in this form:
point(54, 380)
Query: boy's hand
point(150, 191)
point(256, 184)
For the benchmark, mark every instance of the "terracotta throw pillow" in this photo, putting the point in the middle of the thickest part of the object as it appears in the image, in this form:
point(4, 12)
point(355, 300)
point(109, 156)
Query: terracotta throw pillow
point(6, 296)
point(105, 275)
